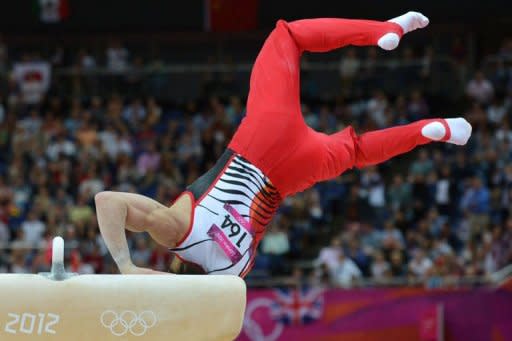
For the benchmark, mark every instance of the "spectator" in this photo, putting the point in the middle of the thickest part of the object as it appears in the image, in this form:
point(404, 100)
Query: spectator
point(80, 212)
point(149, 160)
point(496, 111)
point(420, 264)
point(18, 265)
point(417, 107)
point(235, 110)
point(480, 89)
point(33, 228)
point(141, 253)
point(21, 192)
point(91, 184)
point(397, 264)
point(117, 57)
point(346, 274)
point(440, 248)
point(380, 269)
point(87, 135)
point(95, 259)
point(427, 60)
point(40, 263)
point(445, 191)
point(330, 256)
point(86, 61)
point(275, 244)
point(391, 237)
point(399, 193)
point(189, 146)
point(376, 108)
point(60, 146)
point(135, 113)
point(349, 66)
point(374, 188)
point(62, 199)
point(110, 140)
point(360, 256)
point(423, 165)
point(475, 201)
point(4, 236)
point(435, 221)
point(31, 123)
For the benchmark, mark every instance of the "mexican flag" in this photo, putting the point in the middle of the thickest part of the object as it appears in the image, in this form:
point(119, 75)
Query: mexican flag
point(52, 11)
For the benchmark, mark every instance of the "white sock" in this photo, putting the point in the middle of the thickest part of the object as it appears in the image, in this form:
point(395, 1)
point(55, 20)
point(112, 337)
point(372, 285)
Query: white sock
point(389, 41)
point(460, 131)
point(434, 131)
point(410, 21)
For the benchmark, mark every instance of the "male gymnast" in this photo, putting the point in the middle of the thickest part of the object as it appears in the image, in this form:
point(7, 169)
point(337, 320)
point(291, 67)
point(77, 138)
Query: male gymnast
point(214, 226)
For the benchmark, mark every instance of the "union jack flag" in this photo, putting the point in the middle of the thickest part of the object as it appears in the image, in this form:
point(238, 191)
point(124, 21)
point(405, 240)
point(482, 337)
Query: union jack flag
point(297, 306)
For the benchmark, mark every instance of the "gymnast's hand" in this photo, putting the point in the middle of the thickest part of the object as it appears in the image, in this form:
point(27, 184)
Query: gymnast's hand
point(131, 269)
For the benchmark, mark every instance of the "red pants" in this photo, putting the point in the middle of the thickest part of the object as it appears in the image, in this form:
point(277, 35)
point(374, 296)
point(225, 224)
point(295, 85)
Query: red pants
point(274, 136)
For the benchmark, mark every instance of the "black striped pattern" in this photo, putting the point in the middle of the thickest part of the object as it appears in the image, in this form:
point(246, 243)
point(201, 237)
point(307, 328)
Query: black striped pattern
point(246, 188)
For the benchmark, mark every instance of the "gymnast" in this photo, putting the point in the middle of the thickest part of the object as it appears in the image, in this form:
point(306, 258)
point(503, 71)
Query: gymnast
point(214, 227)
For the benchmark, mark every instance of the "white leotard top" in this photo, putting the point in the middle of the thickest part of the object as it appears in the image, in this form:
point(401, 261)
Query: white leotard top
point(233, 203)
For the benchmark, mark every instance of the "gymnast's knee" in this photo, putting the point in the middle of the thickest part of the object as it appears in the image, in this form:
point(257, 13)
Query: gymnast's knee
point(339, 152)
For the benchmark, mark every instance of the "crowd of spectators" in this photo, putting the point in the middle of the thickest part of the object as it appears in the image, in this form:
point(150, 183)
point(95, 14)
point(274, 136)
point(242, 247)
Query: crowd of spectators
point(134, 69)
point(446, 215)
point(438, 213)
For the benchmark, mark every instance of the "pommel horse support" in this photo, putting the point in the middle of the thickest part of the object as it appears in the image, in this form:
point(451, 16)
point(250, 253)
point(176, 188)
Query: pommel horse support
point(67, 307)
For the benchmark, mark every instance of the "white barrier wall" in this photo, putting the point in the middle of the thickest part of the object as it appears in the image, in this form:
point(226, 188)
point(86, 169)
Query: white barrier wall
point(121, 307)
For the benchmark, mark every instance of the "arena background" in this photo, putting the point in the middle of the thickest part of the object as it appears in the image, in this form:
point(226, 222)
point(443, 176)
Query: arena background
point(143, 96)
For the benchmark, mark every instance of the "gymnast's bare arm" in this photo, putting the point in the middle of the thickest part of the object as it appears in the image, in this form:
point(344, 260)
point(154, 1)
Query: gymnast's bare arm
point(117, 211)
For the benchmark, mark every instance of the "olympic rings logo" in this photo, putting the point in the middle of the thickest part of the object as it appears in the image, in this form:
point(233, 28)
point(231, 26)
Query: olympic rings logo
point(128, 321)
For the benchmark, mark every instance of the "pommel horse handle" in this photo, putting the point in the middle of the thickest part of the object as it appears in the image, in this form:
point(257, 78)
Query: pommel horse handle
point(58, 270)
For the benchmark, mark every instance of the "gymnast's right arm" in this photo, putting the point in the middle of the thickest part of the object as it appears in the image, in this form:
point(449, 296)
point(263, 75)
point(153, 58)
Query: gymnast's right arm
point(117, 211)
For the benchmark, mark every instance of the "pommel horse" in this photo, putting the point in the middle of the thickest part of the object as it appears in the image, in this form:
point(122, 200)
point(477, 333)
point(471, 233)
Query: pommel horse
point(69, 307)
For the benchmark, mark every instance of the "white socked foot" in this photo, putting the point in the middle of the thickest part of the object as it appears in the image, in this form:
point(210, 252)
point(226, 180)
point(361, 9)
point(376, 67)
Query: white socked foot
point(409, 21)
point(460, 130)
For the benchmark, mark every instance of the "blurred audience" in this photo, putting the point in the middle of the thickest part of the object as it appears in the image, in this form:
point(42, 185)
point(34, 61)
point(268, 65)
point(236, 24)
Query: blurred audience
point(432, 216)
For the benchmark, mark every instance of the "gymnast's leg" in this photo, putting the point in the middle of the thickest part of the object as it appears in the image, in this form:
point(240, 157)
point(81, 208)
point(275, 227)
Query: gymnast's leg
point(274, 84)
point(345, 149)
point(274, 126)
